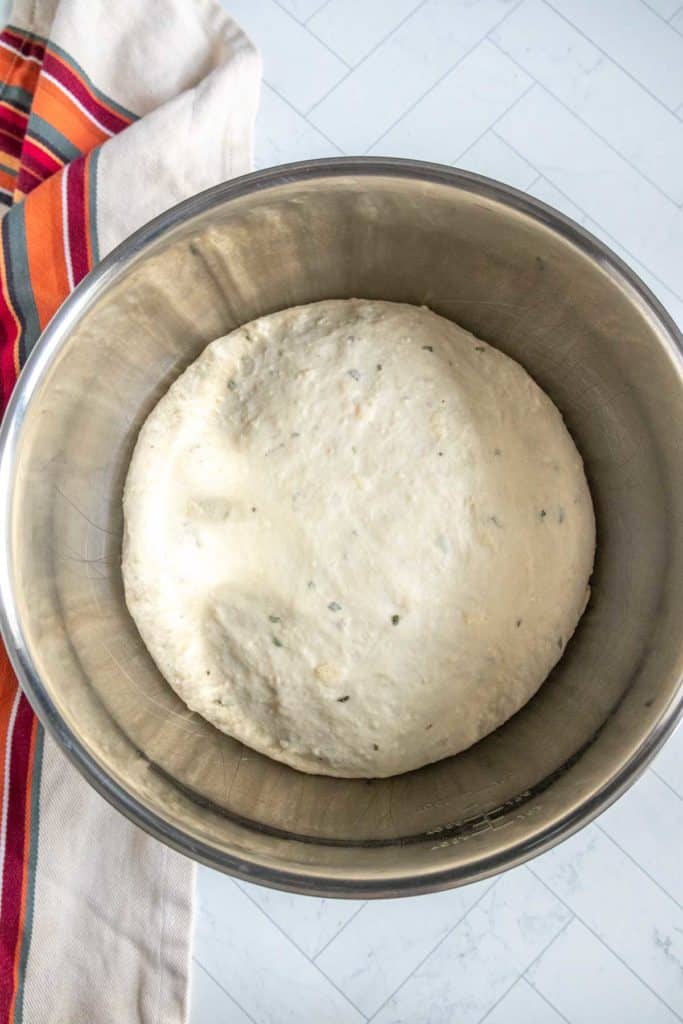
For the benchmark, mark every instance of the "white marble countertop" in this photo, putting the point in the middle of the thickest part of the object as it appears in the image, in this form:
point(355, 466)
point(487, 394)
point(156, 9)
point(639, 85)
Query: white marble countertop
point(580, 102)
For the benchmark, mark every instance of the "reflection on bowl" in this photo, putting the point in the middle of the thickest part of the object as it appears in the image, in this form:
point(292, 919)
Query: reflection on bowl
point(505, 267)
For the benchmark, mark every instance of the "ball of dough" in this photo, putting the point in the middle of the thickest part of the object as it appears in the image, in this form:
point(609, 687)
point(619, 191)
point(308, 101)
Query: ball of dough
point(357, 538)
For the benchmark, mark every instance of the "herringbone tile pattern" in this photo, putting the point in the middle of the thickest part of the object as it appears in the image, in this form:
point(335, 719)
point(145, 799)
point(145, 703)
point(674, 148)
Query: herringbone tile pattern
point(580, 102)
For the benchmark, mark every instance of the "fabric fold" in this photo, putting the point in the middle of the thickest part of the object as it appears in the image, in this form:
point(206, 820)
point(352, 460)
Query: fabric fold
point(110, 113)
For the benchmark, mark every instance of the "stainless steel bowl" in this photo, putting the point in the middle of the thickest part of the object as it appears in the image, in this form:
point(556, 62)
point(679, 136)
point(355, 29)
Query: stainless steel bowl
point(504, 266)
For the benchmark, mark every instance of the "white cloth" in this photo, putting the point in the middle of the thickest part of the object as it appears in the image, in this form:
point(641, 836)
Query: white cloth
point(111, 930)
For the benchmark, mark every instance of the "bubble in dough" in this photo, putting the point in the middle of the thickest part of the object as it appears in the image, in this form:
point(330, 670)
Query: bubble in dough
point(357, 538)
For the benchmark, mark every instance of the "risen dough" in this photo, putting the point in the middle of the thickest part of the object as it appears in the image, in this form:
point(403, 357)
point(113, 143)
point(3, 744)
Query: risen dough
point(357, 537)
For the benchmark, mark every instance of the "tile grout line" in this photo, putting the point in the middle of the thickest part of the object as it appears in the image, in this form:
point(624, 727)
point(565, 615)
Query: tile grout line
point(528, 968)
point(367, 56)
point(240, 885)
point(318, 9)
point(297, 18)
point(319, 39)
point(492, 125)
point(657, 14)
point(536, 179)
point(303, 953)
point(608, 234)
point(545, 999)
point(423, 96)
point(306, 29)
point(637, 864)
point(633, 78)
point(442, 77)
point(278, 3)
point(208, 973)
point(604, 943)
point(304, 118)
point(338, 933)
point(443, 938)
point(665, 783)
point(508, 14)
point(500, 999)
point(549, 92)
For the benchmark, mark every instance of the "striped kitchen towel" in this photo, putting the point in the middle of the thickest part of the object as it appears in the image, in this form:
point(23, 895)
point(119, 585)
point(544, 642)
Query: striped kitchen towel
point(110, 112)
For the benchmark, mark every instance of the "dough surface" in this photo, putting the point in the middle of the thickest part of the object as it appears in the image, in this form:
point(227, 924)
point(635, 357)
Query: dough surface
point(357, 538)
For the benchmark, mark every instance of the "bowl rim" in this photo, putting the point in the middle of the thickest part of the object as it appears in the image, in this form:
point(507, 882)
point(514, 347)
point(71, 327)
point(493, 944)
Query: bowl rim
point(327, 881)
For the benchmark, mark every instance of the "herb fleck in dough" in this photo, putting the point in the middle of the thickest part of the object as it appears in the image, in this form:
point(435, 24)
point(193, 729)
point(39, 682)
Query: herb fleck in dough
point(357, 537)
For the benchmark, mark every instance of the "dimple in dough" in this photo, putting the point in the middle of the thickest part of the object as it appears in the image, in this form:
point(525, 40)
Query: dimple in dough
point(357, 538)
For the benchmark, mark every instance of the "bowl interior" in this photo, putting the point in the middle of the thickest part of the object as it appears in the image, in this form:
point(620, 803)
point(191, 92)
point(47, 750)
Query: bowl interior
point(502, 269)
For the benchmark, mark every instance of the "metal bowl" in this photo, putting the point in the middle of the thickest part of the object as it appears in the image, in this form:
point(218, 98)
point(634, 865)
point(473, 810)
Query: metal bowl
point(507, 268)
